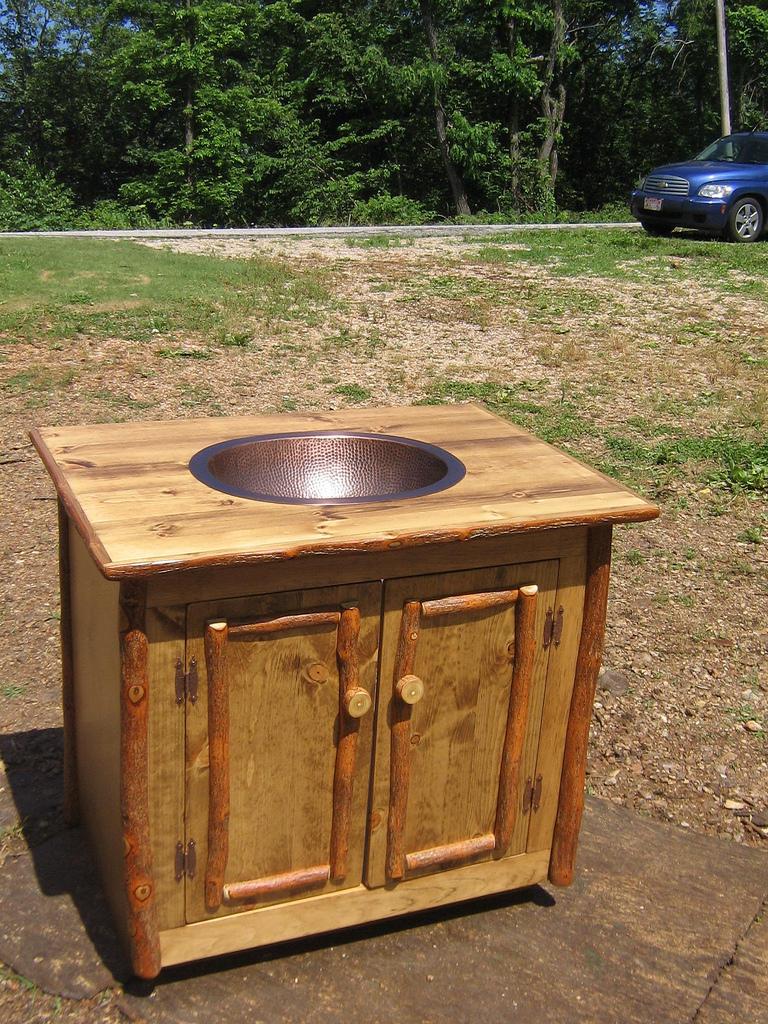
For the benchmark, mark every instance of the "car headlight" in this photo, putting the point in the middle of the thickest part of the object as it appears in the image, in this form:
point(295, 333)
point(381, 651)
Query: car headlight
point(716, 191)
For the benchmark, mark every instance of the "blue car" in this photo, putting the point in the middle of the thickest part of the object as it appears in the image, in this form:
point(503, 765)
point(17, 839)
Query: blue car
point(723, 191)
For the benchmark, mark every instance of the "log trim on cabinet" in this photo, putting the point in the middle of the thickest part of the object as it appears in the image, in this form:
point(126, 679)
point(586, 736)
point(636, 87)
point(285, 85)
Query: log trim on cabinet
point(399, 863)
point(284, 623)
point(218, 760)
point(450, 855)
point(464, 603)
point(71, 793)
point(134, 803)
point(571, 799)
point(346, 747)
point(290, 883)
point(400, 741)
point(517, 718)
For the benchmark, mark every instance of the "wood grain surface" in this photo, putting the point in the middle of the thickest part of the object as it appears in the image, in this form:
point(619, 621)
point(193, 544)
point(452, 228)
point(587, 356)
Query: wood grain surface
point(400, 712)
point(128, 489)
point(95, 611)
point(551, 707)
point(166, 633)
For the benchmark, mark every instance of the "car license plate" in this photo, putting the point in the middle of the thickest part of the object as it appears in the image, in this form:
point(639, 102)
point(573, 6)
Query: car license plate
point(649, 203)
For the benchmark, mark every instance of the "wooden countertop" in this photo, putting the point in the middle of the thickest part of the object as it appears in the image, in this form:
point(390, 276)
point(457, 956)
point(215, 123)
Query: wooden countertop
point(140, 511)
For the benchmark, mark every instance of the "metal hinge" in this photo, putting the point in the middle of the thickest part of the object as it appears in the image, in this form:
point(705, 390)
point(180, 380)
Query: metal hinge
point(186, 860)
point(186, 682)
point(553, 627)
point(532, 794)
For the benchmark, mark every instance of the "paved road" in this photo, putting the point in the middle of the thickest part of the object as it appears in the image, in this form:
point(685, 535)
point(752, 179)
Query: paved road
point(414, 230)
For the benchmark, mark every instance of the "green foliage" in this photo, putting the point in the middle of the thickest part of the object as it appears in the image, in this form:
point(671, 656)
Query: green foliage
point(353, 392)
point(387, 209)
point(31, 200)
point(110, 215)
point(224, 112)
point(737, 464)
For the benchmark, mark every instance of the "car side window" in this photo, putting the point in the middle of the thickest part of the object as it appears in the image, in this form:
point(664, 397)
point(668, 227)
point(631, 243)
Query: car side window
point(757, 151)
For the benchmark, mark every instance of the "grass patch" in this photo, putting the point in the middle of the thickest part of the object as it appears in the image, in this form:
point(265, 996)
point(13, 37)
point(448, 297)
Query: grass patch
point(38, 378)
point(632, 255)
point(554, 422)
point(353, 392)
point(379, 242)
point(57, 288)
point(752, 535)
point(736, 464)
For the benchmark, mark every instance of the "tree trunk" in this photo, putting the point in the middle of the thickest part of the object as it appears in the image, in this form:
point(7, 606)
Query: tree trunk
point(553, 97)
point(455, 180)
point(189, 98)
point(514, 120)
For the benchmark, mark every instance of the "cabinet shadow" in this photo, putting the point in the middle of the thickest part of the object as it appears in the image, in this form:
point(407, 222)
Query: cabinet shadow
point(31, 811)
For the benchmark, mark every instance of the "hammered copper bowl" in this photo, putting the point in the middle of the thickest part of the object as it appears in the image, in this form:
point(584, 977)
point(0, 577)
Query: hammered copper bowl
point(326, 468)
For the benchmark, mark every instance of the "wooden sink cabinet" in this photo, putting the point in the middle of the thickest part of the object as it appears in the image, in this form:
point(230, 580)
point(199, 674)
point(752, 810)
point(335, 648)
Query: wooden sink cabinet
point(283, 720)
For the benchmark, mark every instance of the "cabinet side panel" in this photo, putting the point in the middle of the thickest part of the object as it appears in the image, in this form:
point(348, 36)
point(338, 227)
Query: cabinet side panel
point(165, 629)
point(96, 664)
point(557, 699)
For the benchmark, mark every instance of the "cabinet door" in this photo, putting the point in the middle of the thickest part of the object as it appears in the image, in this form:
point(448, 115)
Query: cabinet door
point(463, 672)
point(279, 745)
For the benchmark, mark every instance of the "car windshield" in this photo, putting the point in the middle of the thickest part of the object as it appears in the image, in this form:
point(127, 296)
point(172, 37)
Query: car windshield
point(739, 149)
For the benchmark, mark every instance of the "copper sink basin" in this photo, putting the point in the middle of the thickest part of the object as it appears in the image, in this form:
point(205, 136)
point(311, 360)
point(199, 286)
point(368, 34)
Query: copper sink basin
point(326, 468)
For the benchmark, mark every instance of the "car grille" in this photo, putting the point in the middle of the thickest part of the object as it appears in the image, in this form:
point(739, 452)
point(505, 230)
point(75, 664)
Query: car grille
point(667, 185)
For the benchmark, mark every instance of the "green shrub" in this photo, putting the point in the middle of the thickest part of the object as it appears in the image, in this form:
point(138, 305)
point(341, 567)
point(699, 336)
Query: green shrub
point(31, 200)
point(111, 215)
point(387, 209)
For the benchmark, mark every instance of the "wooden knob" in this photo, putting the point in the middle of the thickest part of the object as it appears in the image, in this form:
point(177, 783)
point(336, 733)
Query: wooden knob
point(410, 689)
point(357, 702)
point(318, 672)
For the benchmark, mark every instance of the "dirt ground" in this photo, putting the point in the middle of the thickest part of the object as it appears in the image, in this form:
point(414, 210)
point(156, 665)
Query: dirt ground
point(679, 731)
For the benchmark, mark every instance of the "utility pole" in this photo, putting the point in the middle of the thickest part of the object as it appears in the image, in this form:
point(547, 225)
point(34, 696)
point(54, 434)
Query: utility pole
point(722, 61)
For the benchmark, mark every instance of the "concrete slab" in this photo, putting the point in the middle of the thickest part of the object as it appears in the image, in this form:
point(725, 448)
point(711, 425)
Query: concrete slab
point(661, 927)
point(55, 928)
point(641, 937)
point(740, 994)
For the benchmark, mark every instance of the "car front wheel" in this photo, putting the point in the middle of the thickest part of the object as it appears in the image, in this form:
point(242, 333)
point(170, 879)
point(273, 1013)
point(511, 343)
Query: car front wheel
point(745, 221)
